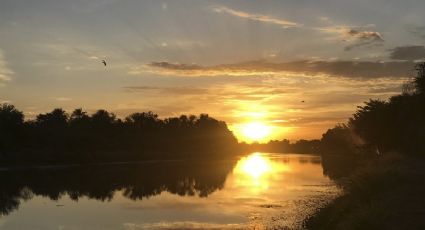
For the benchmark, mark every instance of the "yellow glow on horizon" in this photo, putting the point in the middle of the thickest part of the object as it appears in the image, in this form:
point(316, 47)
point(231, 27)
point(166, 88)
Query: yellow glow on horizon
point(259, 131)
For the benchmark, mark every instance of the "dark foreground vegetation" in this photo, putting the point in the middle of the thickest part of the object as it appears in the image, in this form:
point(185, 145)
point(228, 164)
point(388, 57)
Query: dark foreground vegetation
point(386, 192)
point(59, 138)
point(378, 158)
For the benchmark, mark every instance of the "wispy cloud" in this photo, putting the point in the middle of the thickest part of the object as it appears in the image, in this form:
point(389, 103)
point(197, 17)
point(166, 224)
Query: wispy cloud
point(167, 90)
point(356, 36)
point(347, 69)
point(245, 92)
point(63, 99)
point(5, 71)
point(255, 17)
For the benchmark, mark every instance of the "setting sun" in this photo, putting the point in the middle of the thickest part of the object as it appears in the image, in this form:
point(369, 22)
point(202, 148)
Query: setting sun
point(255, 131)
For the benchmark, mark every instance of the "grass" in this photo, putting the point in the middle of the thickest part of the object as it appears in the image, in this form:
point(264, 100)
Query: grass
point(384, 193)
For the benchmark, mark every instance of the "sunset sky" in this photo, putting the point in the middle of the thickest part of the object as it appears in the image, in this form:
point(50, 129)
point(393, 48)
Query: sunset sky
point(249, 63)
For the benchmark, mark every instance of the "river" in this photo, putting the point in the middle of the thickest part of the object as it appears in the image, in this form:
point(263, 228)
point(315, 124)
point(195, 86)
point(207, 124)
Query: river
point(256, 191)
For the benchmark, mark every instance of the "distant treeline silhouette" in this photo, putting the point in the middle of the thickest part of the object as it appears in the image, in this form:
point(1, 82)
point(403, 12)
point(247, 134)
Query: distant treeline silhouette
point(57, 137)
point(283, 146)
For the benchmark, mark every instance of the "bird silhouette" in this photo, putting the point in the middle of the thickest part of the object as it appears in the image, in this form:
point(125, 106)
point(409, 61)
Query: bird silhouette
point(104, 62)
point(302, 101)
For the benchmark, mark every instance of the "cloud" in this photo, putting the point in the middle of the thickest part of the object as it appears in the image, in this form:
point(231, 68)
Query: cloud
point(5, 101)
point(247, 92)
point(63, 99)
point(325, 19)
point(167, 90)
point(364, 38)
point(409, 53)
point(357, 36)
point(365, 35)
point(5, 71)
point(255, 17)
point(347, 69)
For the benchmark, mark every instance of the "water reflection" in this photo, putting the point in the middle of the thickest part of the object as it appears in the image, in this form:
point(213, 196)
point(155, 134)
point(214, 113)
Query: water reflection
point(258, 191)
point(136, 181)
point(254, 171)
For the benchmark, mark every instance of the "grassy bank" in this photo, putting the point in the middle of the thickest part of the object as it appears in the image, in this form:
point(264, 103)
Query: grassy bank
point(385, 193)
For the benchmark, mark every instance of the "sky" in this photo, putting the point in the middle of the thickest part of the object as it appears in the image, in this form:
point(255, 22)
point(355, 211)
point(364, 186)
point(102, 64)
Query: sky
point(271, 69)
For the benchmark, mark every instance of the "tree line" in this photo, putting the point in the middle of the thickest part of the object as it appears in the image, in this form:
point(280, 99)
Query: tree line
point(380, 126)
point(59, 137)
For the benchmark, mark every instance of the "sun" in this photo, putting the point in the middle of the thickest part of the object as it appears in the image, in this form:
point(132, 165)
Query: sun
point(255, 131)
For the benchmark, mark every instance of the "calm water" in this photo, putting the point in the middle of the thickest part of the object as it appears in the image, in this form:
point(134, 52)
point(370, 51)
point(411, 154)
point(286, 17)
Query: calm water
point(259, 191)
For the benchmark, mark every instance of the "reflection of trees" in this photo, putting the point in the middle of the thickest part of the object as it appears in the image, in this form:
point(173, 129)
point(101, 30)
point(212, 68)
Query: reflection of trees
point(137, 181)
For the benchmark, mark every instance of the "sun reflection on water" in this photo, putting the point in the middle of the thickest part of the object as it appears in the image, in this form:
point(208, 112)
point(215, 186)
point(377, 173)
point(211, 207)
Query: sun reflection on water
point(255, 171)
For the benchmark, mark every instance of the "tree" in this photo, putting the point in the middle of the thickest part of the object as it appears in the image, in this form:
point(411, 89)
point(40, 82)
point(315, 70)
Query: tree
point(10, 117)
point(340, 139)
point(103, 118)
point(56, 119)
point(372, 122)
point(11, 124)
point(78, 114)
point(420, 78)
point(145, 119)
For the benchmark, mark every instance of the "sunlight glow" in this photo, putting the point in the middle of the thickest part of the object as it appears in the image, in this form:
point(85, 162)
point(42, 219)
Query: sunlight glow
point(262, 132)
point(256, 131)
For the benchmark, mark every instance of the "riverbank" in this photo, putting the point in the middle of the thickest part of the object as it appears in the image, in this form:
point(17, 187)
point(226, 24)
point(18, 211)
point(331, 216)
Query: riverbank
point(384, 193)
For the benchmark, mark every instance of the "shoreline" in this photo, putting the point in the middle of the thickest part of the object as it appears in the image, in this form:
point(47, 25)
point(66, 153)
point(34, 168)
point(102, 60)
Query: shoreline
point(385, 193)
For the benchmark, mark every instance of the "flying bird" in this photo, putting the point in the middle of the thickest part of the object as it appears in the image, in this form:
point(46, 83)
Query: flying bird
point(104, 62)
point(302, 101)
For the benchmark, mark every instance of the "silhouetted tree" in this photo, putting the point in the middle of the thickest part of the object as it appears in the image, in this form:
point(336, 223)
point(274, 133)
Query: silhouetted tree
point(339, 140)
point(11, 124)
point(397, 124)
point(103, 118)
point(420, 78)
point(56, 119)
point(143, 120)
point(305, 146)
point(371, 123)
point(56, 137)
point(79, 116)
